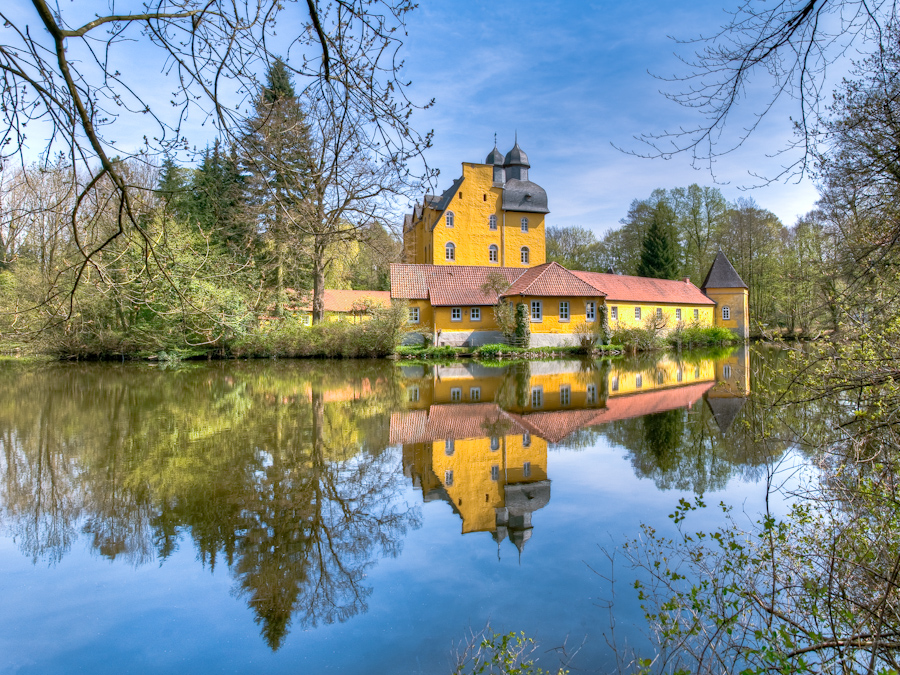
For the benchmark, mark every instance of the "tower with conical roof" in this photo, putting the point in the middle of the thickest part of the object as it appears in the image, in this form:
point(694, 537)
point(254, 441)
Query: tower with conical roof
point(724, 286)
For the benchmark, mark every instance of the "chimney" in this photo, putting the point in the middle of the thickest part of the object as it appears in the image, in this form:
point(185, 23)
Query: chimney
point(687, 280)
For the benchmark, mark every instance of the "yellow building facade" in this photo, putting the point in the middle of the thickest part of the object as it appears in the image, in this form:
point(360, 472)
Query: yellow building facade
point(491, 215)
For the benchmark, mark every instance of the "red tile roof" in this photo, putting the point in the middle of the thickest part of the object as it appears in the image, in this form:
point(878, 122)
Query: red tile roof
point(342, 300)
point(551, 279)
point(458, 421)
point(447, 285)
point(622, 288)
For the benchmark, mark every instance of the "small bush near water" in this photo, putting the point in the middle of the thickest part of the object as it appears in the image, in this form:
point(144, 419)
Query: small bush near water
point(701, 337)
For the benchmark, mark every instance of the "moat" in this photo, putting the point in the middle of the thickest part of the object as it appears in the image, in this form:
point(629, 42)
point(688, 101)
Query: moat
point(348, 516)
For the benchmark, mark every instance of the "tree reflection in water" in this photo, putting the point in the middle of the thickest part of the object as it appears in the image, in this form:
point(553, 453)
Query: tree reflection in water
point(283, 471)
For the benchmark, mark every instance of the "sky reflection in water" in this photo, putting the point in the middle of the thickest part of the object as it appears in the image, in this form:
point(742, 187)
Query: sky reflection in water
point(247, 517)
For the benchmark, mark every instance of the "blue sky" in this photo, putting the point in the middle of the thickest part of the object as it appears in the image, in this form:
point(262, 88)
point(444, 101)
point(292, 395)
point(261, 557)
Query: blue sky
point(572, 79)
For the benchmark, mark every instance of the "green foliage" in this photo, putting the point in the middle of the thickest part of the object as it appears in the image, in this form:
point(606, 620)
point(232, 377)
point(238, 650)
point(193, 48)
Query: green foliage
point(695, 335)
point(638, 339)
point(659, 253)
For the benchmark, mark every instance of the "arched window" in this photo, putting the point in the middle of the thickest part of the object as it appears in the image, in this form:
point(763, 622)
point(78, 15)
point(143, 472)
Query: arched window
point(525, 255)
point(726, 313)
point(450, 251)
point(493, 253)
point(449, 218)
point(524, 224)
point(492, 222)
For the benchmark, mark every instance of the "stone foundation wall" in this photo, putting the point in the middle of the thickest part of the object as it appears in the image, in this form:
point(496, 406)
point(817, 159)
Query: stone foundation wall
point(553, 340)
point(469, 338)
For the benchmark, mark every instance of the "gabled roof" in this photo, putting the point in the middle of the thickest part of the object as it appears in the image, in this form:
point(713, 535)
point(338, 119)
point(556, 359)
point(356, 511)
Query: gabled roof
point(722, 275)
point(725, 410)
point(622, 288)
point(448, 285)
point(441, 203)
point(342, 300)
point(551, 279)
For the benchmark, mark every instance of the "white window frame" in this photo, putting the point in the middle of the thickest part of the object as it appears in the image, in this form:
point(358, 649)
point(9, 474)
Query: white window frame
point(448, 478)
point(456, 313)
point(525, 255)
point(475, 314)
point(565, 394)
point(492, 222)
point(449, 217)
point(659, 313)
point(414, 315)
point(564, 314)
point(589, 310)
point(450, 251)
point(726, 313)
point(455, 394)
point(474, 393)
point(637, 313)
point(495, 443)
point(413, 394)
point(493, 253)
point(526, 440)
point(638, 381)
point(696, 314)
point(449, 447)
point(614, 313)
point(591, 394)
point(537, 397)
point(495, 472)
point(526, 469)
point(679, 375)
point(614, 385)
point(524, 224)
point(537, 311)
point(678, 313)
point(726, 371)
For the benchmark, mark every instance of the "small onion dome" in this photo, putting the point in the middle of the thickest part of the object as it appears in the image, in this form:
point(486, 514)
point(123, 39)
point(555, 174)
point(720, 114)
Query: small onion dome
point(495, 158)
point(516, 157)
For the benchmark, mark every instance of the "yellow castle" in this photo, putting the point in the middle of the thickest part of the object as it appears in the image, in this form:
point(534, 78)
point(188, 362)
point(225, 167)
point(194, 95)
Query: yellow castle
point(488, 230)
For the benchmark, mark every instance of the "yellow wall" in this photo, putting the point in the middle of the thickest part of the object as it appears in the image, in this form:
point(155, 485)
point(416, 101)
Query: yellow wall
point(475, 201)
point(737, 301)
point(443, 321)
point(551, 322)
point(662, 375)
point(626, 314)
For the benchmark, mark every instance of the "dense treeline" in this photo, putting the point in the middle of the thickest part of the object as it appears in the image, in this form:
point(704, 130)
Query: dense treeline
point(260, 223)
point(795, 274)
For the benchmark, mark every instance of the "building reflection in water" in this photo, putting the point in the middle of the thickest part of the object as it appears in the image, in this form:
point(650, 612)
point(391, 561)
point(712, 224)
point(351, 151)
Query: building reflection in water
point(477, 437)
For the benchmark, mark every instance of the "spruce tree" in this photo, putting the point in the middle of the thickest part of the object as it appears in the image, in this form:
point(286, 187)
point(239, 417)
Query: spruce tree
point(216, 202)
point(659, 253)
point(276, 163)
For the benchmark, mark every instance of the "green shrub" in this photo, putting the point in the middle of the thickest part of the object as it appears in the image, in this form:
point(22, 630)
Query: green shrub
point(693, 334)
point(492, 350)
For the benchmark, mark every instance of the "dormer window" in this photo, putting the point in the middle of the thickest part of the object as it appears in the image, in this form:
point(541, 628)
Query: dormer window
point(524, 224)
point(449, 218)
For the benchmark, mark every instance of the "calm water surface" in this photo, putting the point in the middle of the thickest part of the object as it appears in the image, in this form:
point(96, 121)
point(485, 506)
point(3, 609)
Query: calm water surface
point(346, 517)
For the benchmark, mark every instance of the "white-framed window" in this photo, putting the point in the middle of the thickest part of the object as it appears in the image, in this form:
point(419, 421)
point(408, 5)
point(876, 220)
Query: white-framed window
point(659, 312)
point(591, 394)
point(565, 395)
point(696, 314)
point(537, 311)
point(493, 253)
point(638, 380)
point(414, 315)
point(448, 478)
point(537, 397)
point(526, 469)
point(306, 319)
point(495, 443)
point(526, 440)
point(589, 311)
point(637, 313)
point(456, 314)
point(449, 218)
point(475, 314)
point(474, 393)
point(492, 222)
point(449, 448)
point(524, 223)
point(456, 394)
point(614, 313)
point(726, 313)
point(697, 372)
point(679, 375)
point(564, 310)
point(660, 377)
point(615, 383)
point(413, 394)
point(726, 371)
point(450, 251)
point(495, 472)
point(525, 255)
point(678, 313)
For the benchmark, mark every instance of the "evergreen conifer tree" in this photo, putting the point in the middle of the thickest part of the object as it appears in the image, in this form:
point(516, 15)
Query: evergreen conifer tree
point(216, 202)
point(659, 252)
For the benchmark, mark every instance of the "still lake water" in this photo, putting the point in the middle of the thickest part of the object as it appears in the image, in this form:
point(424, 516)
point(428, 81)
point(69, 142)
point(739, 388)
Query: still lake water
point(347, 517)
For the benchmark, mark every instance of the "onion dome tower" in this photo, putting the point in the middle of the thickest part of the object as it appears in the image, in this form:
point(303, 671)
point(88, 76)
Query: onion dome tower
point(495, 158)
